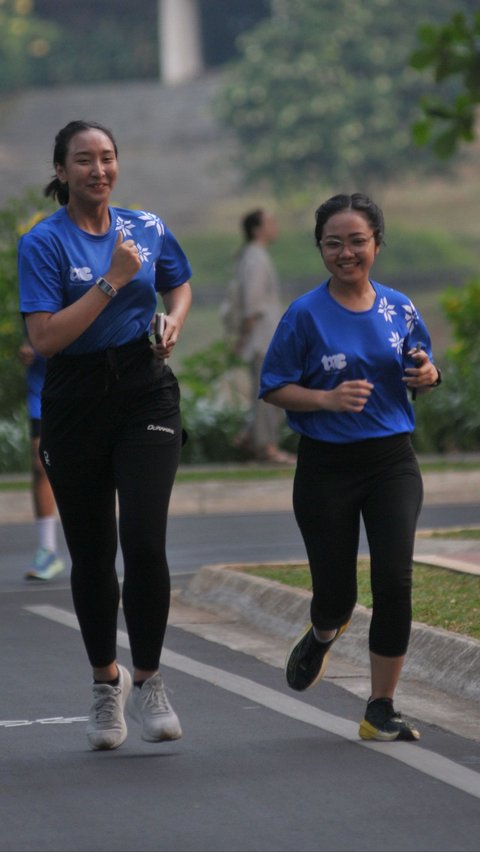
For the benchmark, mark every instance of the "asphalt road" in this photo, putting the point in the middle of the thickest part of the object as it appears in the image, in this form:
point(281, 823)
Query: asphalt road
point(198, 540)
point(259, 767)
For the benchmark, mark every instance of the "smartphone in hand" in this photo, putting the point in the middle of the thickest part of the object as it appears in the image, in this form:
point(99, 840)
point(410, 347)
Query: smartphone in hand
point(159, 327)
point(417, 362)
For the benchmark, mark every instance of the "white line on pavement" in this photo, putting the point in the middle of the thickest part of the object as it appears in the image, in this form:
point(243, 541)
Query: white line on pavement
point(55, 720)
point(415, 756)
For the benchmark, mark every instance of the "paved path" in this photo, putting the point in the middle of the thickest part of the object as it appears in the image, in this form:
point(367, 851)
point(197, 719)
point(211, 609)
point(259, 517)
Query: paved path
point(230, 496)
point(436, 698)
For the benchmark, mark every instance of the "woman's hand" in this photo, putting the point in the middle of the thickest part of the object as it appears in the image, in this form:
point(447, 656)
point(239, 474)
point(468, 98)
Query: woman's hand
point(164, 344)
point(26, 353)
point(348, 396)
point(177, 302)
point(423, 375)
point(124, 264)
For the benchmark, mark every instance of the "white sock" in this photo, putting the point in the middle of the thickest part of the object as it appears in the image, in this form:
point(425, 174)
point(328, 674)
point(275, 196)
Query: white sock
point(319, 638)
point(47, 532)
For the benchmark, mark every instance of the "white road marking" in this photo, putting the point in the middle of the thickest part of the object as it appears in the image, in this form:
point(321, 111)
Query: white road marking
point(55, 720)
point(415, 756)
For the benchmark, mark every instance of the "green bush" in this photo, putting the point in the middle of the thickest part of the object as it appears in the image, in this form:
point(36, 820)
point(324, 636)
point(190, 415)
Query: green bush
point(15, 444)
point(211, 423)
point(212, 417)
point(210, 432)
point(16, 217)
point(449, 418)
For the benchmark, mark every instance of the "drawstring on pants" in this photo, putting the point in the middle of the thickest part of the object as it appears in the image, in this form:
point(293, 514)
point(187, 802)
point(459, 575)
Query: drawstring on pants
point(111, 366)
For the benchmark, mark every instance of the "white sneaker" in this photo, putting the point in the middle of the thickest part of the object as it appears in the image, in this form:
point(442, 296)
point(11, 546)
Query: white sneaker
point(106, 726)
point(150, 707)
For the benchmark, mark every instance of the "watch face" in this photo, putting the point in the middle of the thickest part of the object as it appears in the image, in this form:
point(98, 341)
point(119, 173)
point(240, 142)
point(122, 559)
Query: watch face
point(106, 287)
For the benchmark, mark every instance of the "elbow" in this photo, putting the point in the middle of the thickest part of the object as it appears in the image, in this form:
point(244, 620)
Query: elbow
point(39, 335)
point(41, 344)
point(43, 347)
point(272, 397)
point(46, 351)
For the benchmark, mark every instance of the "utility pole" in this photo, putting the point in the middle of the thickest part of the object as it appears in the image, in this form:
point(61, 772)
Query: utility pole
point(180, 41)
point(279, 9)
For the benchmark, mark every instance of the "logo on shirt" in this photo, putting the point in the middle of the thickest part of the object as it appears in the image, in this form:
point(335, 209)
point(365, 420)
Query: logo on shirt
point(81, 273)
point(334, 362)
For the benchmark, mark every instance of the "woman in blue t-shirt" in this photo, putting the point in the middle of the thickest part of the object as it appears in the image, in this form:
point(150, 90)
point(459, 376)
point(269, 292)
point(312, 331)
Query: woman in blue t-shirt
point(341, 363)
point(89, 278)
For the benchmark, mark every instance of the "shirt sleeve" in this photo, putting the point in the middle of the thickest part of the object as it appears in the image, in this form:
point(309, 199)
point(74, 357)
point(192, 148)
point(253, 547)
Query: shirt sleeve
point(39, 275)
point(172, 267)
point(418, 334)
point(286, 356)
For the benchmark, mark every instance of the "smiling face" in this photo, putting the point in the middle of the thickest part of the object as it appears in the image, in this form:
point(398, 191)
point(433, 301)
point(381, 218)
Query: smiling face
point(90, 168)
point(349, 248)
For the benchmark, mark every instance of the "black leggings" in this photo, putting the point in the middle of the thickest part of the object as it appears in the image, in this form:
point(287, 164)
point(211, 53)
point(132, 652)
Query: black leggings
point(125, 442)
point(334, 485)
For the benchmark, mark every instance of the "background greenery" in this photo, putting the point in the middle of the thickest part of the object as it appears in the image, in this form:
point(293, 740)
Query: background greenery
point(449, 51)
point(60, 42)
point(327, 89)
point(441, 598)
point(320, 97)
point(430, 266)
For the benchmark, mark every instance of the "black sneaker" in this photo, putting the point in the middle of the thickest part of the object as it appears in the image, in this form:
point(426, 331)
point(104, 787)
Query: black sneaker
point(307, 661)
point(383, 723)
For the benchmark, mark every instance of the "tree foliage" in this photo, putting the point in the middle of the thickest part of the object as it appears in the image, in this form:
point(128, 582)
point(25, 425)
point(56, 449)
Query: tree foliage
point(25, 44)
point(449, 419)
point(53, 42)
point(15, 218)
point(451, 53)
point(58, 42)
point(325, 93)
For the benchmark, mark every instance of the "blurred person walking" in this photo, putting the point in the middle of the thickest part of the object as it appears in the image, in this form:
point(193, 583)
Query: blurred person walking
point(46, 563)
point(255, 310)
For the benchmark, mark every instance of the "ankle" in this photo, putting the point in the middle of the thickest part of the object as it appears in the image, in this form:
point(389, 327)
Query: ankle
point(106, 674)
point(324, 635)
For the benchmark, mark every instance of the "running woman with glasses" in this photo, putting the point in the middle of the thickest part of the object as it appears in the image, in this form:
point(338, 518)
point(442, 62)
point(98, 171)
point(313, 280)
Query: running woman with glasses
point(341, 363)
point(89, 277)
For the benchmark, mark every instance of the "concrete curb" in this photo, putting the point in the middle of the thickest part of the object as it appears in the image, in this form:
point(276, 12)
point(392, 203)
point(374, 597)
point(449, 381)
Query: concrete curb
point(447, 661)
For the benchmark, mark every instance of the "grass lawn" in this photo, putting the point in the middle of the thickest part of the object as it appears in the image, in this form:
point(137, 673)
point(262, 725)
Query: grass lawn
point(245, 471)
point(441, 598)
point(468, 533)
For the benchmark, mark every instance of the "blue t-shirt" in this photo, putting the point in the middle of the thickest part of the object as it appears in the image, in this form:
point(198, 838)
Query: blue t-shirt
point(58, 262)
point(35, 380)
point(319, 344)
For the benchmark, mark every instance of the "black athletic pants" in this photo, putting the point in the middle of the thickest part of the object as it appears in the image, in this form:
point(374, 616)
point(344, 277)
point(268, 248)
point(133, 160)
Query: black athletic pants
point(111, 428)
point(336, 484)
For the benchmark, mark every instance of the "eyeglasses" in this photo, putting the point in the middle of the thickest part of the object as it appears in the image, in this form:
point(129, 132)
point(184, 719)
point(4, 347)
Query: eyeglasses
point(332, 245)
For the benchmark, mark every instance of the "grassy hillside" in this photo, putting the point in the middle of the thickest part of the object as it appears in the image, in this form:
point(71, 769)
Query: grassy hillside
point(420, 263)
point(186, 172)
point(432, 242)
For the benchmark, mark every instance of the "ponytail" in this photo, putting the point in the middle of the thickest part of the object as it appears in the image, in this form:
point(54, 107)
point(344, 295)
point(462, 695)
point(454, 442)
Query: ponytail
point(57, 190)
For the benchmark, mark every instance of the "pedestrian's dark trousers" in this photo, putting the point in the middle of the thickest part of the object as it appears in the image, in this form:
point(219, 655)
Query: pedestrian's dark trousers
point(111, 429)
point(337, 484)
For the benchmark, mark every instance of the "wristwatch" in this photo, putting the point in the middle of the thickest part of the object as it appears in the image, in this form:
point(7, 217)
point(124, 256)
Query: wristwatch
point(438, 380)
point(106, 288)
